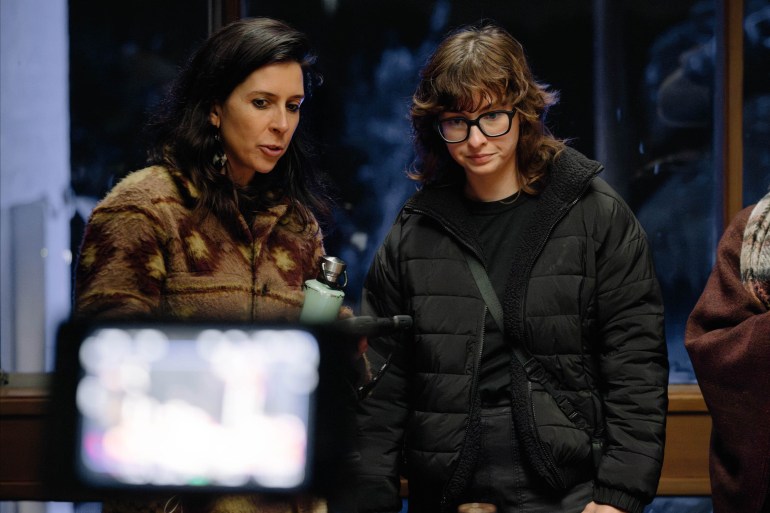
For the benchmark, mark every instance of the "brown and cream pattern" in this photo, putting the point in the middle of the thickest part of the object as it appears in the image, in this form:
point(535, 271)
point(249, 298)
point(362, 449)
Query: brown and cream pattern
point(146, 253)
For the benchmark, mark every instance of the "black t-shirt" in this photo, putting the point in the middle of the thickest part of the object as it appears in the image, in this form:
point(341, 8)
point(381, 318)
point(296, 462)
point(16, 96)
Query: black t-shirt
point(499, 225)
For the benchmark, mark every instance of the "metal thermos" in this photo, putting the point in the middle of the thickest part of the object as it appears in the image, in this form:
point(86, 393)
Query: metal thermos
point(324, 295)
point(477, 507)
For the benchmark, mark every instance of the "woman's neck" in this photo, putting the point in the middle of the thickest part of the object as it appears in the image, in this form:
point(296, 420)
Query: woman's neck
point(490, 188)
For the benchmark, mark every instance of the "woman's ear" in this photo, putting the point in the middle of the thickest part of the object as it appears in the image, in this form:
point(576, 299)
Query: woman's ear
point(214, 115)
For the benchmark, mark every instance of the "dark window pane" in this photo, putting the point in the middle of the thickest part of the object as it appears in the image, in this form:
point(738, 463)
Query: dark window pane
point(636, 83)
point(657, 137)
point(641, 101)
point(122, 57)
point(756, 101)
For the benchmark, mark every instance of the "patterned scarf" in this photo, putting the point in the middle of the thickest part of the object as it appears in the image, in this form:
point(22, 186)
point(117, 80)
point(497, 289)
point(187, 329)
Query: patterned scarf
point(755, 252)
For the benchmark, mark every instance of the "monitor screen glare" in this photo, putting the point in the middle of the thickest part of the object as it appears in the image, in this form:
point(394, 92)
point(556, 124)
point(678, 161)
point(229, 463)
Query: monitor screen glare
point(180, 407)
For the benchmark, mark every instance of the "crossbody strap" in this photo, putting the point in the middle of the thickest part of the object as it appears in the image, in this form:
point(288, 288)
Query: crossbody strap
point(493, 304)
point(535, 371)
point(486, 289)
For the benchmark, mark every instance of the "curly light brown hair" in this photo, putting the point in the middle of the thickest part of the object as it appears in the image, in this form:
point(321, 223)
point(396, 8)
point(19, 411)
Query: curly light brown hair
point(475, 65)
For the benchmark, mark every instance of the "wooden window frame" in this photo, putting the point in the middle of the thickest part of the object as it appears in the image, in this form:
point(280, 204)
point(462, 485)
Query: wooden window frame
point(728, 119)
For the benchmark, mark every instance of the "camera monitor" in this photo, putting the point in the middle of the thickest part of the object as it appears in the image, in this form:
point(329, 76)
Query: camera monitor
point(195, 407)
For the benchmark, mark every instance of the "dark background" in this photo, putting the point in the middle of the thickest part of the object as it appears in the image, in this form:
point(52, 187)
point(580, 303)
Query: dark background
point(658, 83)
point(123, 55)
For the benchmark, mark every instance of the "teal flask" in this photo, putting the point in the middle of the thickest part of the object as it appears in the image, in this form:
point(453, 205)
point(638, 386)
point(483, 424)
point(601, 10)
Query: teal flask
point(324, 295)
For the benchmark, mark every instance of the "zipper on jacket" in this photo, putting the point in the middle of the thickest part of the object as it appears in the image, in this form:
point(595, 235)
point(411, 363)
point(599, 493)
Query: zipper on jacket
point(548, 458)
point(474, 390)
point(477, 362)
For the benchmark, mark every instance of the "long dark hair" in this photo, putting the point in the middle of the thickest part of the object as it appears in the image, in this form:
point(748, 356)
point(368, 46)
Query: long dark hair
point(184, 138)
point(474, 64)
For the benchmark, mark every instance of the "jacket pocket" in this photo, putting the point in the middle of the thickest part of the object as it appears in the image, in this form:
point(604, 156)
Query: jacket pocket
point(565, 446)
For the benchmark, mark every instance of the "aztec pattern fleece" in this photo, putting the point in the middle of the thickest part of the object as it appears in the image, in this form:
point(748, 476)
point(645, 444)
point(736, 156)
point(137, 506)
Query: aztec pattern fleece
point(145, 253)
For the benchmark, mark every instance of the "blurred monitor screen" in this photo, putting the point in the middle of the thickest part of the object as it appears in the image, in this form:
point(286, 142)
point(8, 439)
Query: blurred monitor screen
point(196, 407)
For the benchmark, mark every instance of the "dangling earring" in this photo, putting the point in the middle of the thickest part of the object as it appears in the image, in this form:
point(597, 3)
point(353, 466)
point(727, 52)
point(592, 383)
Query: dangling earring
point(220, 159)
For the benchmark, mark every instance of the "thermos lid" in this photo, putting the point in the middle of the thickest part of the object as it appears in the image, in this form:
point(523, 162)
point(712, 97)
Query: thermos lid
point(331, 268)
point(477, 507)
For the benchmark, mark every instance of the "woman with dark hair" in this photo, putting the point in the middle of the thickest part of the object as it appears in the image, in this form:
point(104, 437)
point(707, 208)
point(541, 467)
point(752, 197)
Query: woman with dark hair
point(535, 376)
point(223, 224)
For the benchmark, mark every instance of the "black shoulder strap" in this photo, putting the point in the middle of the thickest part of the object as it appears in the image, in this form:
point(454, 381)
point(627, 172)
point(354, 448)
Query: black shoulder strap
point(493, 303)
point(535, 371)
point(486, 289)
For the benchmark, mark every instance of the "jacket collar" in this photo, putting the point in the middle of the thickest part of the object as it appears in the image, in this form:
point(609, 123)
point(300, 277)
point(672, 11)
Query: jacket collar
point(568, 176)
point(187, 190)
point(263, 224)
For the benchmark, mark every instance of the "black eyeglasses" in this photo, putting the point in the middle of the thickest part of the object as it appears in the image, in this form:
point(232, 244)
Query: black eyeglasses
point(492, 124)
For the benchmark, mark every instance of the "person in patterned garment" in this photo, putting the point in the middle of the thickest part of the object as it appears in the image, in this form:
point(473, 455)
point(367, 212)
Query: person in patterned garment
point(224, 223)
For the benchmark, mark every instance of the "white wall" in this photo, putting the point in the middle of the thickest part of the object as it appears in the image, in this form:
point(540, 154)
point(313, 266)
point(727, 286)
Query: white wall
point(34, 181)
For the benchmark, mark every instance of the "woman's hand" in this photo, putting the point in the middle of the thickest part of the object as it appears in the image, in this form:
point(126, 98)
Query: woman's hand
point(347, 313)
point(363, 344)
point(592, 507)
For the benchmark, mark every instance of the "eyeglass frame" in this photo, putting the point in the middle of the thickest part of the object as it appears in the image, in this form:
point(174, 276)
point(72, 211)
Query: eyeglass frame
point(470, 123)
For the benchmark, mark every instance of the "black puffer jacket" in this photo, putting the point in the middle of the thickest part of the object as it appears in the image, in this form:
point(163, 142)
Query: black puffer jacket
point(582, 297)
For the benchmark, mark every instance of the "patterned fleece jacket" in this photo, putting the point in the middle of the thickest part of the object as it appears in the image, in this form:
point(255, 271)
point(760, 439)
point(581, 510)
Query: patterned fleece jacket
point(146, 254)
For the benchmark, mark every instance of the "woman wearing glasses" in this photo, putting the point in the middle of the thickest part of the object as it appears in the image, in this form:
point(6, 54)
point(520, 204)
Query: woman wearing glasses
point(543, 388)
